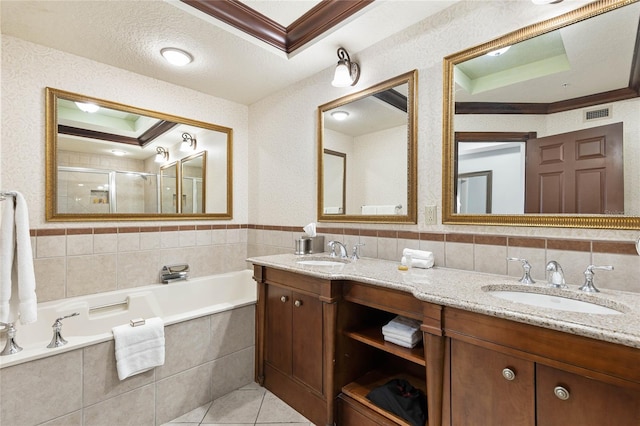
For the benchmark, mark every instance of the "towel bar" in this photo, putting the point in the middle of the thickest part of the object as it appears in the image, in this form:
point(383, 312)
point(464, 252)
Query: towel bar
point(109, 305)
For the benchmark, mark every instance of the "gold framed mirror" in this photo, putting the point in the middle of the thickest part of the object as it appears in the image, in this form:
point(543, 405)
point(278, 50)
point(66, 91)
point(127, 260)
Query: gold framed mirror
point(574, 80)
point(375, 129)
point(107, 161)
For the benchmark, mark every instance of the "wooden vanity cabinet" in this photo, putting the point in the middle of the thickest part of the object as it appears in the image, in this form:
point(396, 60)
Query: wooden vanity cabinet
point(508, 373)
point(295, 340)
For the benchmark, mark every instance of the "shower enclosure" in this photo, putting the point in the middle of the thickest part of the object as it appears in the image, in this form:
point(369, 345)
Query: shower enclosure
point(87, 190)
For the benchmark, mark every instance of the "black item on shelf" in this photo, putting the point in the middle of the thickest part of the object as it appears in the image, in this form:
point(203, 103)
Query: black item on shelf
point(402, 399)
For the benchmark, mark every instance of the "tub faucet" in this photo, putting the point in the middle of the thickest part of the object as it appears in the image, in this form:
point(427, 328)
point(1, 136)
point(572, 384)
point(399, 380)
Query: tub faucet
point(555, 275)
point(171, 273)
point(57, 340)
point(343, 250)
point(11, 347)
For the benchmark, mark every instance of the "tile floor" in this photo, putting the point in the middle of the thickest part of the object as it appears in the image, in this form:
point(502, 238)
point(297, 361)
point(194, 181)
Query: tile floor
point(249, 405)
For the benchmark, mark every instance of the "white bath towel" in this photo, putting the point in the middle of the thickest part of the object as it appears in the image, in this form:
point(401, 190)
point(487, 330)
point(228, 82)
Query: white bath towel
point(411, 339)
point(386, 209)
point(140, 348)
point(418, 263)
point(400, 342)
point(402, 326)
point(17, 276)
point(418, 254)
point(368, 210)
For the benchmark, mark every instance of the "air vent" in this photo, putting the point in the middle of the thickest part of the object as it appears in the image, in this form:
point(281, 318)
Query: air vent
point(597, 114)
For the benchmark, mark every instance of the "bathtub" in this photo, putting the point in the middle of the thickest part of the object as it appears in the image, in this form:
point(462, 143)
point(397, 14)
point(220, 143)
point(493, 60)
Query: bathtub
point(98, 313)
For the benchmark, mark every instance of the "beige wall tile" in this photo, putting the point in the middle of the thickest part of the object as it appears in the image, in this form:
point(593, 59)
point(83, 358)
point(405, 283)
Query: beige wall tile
point(129, 241)
point(535, 257)
point(134, 408)
point(51, 246)
point(100, 376)
point(187, 345)
point(169, 239)
point(232, 372)
point(459, 256)
point(437, 248)
point(79, 244)
point(149, 240)
point(182, 392)
point(370, 248)
point(232, 331)
point(203, 237)
point(490, 259)
point(625, 275)
point(73, 419)
point(56, 380)
point(187, 238)
point(90, 274)
point(388, 249)
point(105, 243)
point(219, 236)
point(138, 268)
point(233, 236)
point(50, 278)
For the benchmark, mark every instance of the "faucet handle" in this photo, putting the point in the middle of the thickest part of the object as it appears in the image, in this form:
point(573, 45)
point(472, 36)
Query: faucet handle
point(57, 340)
point(588, 285)
point(526, 267)
point(356, 251)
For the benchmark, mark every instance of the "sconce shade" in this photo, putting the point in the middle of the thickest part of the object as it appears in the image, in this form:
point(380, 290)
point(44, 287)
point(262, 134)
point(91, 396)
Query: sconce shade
point(162, 155)
point(347, 73)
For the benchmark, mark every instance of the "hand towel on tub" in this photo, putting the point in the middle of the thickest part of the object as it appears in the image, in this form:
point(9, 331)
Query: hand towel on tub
point(17, 276)
point(139, 348)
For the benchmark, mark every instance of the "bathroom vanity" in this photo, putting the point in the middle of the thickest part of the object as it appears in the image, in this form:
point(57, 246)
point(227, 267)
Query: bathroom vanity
point(484, 360)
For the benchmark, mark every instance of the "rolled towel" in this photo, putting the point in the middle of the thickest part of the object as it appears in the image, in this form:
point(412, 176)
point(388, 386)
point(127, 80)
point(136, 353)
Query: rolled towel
point(139, 348)
point(419, 263)
point(418, 254)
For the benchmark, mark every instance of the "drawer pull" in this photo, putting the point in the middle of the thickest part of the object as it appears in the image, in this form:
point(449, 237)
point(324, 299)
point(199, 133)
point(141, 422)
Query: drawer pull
point(283, 299)
point(297, 303)
point(508, 374)
point(561, 393)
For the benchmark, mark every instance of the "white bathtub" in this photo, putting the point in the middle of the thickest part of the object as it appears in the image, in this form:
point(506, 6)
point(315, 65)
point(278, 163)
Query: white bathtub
point(175, 302)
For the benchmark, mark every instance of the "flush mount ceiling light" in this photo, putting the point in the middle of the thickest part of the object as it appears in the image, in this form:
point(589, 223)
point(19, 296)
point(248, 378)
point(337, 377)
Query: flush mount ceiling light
point(188, 143)
point(162, 155)
point(499, 52)
point(347, 73)
point(87, 107)
point(545, 1)
point(176, 57)
point(118, 152)
point(340, 115)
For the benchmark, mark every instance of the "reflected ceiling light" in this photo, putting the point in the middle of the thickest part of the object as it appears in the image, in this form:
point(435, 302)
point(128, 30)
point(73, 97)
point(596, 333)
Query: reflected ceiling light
point(347, 73)
point(118, 152)
point(188, 143)
point(87, 107)
point(340, 115)
point(499, 52)
point(176, 57)
point(162, 155)
point(545, 1)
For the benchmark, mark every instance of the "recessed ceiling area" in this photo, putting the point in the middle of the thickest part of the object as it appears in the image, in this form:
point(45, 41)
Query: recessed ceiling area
point(227, 63)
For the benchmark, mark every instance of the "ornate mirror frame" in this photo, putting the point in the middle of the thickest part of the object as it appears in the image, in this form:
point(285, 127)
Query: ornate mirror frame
point(411, 79)
point(51, 162)
point(449, 141)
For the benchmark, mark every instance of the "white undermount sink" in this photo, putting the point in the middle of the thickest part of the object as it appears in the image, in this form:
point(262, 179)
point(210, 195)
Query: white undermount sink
point(320, 262)
point(553, 302)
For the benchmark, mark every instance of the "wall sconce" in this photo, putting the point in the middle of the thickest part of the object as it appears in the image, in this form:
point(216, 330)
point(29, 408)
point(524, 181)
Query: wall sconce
point(162, 155)
point(188, 143)
point(347, 72)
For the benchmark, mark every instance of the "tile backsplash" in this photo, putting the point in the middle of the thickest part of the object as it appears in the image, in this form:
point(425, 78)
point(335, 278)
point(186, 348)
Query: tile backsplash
point(77, 261)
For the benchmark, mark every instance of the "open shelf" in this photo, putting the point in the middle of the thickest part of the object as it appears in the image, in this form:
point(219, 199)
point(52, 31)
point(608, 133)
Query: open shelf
point(373, 336)
point(359, 389)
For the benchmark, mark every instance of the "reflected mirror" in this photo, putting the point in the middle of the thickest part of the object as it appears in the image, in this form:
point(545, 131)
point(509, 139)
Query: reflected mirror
point(107, 161)
point(551, 111)
point(367, 154)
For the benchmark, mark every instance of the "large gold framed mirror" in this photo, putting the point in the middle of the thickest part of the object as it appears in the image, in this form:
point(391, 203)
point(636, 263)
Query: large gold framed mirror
point(551, 110)
point(367, 154)
point(107, 161)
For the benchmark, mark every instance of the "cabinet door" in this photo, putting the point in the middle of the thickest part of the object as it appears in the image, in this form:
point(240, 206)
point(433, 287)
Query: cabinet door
point(278, 328)
point(583, 401)
point(307, 340)
point(484, 392)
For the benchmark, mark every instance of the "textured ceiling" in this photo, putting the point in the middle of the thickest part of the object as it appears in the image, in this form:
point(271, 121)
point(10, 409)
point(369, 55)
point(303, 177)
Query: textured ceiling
point(228, 64)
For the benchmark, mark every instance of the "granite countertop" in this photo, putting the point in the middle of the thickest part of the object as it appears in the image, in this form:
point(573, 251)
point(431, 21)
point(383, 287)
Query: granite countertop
point(468, 291)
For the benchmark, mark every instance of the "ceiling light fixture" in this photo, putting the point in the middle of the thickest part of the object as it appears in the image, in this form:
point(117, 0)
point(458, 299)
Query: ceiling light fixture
point(188, 143)
point(340, 115)
point(176, 56)
point(347, 73)
point(87, 107)
point(499, 52)
point(162, 155)
point(118, 152)
point(545, 1)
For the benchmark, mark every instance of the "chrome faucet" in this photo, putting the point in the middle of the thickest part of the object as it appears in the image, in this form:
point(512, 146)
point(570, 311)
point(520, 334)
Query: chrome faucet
point(588, 278)
point(526, 267)
point(171, 273)
point(343, 250)
point(57, 340)
point(555, 276)
point(355, 255)
point(11, 347)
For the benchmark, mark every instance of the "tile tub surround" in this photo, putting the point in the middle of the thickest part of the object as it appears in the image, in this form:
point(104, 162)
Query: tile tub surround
point(464, 290)
point(206, 358)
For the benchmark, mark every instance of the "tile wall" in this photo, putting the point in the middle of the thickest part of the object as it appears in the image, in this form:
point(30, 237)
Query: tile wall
point(205, 358)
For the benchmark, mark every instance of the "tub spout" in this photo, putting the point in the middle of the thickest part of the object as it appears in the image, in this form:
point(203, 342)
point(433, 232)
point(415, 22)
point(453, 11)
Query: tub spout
point(171, 273)
point(11, 347)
